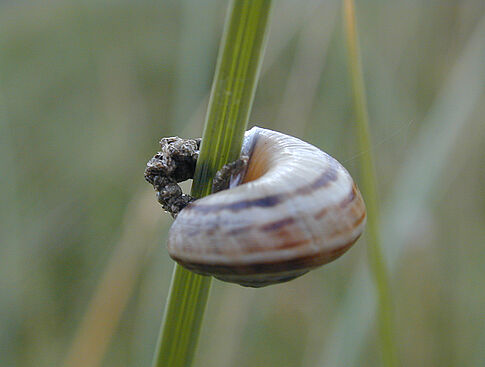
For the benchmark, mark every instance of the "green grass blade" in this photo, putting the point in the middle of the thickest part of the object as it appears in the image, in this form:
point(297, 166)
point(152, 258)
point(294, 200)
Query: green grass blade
point(233, 90)
point(368, 186)
point(238, 65)
point(182, 319)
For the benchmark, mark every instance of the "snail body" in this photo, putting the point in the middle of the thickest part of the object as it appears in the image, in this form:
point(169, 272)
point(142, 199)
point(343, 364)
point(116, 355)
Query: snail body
point(293, 209)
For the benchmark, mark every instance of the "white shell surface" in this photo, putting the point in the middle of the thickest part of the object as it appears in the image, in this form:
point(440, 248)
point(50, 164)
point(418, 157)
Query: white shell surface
point(300, 209)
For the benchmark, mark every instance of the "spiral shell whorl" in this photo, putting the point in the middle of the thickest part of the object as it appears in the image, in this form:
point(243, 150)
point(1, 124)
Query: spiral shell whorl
point(296, 209)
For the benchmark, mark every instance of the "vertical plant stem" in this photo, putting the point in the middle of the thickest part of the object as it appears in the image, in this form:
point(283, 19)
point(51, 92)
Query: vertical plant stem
point(238, 65)
point(368, 185)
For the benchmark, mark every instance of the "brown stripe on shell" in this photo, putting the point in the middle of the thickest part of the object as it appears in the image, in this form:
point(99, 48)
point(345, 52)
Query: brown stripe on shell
point(341, 231)
point(269, 227)
point(360, 219)
point(327, 177)
point(291, 244)
point(283, 231)
point(350, 198)
point(346, 201)
point(321, 213)
point(264, 202)
point(273, 226)
point(240, 230)
point(300, 265)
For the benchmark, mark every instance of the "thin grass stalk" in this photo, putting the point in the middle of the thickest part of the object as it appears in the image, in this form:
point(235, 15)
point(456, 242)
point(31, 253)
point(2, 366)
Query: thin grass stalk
point(368, 185)
point(238, 66)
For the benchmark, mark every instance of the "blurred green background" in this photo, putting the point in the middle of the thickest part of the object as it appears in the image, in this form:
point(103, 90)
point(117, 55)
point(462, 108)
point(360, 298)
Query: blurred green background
point(88, 88)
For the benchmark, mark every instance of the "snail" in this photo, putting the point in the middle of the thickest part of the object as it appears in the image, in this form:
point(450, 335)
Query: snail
point(289, 208)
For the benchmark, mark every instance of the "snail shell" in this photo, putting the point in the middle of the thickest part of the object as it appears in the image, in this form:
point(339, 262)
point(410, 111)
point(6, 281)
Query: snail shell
point(296, 208)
